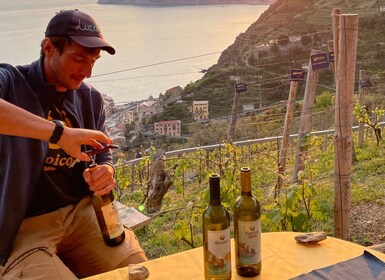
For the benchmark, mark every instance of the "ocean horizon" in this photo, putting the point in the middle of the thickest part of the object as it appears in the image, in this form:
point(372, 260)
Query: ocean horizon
point(157, 47)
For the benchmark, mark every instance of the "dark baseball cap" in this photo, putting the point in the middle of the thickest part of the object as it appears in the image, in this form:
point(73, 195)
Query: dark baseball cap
point(80, 27)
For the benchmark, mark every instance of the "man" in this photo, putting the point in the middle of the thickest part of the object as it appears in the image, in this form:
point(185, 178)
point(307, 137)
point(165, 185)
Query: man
point(48, 226)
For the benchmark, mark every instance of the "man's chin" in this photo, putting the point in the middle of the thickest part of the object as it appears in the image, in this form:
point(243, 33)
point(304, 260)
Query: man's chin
point(68, 86)
point(74, 86)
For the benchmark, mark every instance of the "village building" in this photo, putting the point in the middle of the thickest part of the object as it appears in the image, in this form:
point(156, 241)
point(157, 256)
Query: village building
point(173, 94)
point(200, 110)
point(129, 116)
point(174, 90)
point(148, 109)
point(169, 128)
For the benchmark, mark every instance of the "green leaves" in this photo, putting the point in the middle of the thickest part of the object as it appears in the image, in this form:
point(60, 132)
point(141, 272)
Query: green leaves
point(297, 208)
point(320, 209)
point(182, 230)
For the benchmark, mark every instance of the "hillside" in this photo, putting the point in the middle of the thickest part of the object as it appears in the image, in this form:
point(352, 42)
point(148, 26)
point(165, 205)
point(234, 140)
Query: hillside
point(281, 39)
point(299, 17)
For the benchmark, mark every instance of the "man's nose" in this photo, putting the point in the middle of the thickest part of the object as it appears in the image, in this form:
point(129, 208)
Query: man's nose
point(87, 70)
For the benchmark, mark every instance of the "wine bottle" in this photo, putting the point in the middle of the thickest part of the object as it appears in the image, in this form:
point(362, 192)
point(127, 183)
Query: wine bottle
point(108, 216)
point(216, 235)
point(247, 229)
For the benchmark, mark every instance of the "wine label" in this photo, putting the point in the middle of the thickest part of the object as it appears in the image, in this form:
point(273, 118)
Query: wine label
point(249, 248)
point(112, 219)
point(219, 255)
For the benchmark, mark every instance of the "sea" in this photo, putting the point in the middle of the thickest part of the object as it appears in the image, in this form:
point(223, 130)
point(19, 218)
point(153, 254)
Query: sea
point(157, 47)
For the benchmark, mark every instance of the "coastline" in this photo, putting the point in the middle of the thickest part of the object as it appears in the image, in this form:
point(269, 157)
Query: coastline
point(185, 2)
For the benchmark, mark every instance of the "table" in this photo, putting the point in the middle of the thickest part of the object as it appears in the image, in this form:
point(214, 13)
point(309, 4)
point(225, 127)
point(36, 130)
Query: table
point(282, 258)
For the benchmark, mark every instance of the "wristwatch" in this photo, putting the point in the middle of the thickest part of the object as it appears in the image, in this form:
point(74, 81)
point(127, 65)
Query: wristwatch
point(57, 132)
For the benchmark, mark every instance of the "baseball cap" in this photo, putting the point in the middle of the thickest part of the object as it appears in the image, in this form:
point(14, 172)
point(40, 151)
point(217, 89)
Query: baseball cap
point(80, 27)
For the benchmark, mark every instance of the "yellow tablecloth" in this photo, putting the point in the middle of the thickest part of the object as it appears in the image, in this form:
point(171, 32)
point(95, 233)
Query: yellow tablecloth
point(282, 258)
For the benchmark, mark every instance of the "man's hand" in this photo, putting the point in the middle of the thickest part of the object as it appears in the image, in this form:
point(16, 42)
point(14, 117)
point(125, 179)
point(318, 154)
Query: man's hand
point(73, 138)
point(100, 178)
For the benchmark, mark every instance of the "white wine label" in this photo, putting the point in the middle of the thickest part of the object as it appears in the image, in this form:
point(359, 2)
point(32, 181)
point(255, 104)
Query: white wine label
point(219, 255)
point(249, 250)
point(112, 219)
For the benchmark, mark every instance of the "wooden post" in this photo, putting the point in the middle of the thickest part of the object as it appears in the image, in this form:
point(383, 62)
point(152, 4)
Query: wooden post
point(207, 159)
point(231, 134)
point(285, 138)
point(361, 100)
point(249, 153)
point(334, 46)
point(348, 37)
point(331, 49)
point(132, 177)
point(305, 121)
point(336, 35)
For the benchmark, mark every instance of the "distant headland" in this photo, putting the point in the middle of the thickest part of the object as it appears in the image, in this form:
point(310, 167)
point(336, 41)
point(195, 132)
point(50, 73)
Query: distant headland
point(186, 2)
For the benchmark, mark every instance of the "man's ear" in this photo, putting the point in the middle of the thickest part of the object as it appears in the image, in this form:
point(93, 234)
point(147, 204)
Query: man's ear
point(48, 47)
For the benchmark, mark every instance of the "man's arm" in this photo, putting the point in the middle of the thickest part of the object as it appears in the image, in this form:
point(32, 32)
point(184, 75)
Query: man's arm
point(15, 121)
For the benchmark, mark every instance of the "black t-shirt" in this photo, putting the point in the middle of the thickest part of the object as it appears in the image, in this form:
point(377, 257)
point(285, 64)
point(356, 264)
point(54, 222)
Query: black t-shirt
point(59, 184)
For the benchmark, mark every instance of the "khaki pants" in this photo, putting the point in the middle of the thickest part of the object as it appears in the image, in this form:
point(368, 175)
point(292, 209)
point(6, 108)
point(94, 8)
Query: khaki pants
point(66, 244)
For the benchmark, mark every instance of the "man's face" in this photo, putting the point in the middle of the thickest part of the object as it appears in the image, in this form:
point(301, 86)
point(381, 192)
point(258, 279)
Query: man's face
point(68, 69)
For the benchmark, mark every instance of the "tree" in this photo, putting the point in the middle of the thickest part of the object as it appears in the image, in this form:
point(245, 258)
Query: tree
point(274, 48)
point(305, 40)
point(159, 182)
point(324, 100)
point(283, 40)
point(316, 38)
point(177, 111)
point(251, 60)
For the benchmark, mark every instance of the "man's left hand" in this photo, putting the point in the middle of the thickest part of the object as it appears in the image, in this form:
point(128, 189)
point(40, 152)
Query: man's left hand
point(100, 178)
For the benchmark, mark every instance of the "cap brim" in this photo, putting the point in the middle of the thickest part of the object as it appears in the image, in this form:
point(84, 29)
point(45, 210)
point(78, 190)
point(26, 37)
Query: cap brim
point(93, 42)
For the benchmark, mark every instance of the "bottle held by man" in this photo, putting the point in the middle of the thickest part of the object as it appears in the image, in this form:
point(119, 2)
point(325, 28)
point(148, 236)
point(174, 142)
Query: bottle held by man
point(216, 236)
point(108, 216)
point(247, 229)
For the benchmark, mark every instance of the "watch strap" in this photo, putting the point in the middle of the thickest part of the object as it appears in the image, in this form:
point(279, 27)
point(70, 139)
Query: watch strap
point(57, 132)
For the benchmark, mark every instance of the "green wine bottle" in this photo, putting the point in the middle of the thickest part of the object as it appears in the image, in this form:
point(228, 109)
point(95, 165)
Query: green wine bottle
point(247, 228)
point(216, 236)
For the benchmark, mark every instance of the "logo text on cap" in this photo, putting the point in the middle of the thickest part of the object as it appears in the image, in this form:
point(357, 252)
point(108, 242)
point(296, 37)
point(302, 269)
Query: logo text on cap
point(87, 27)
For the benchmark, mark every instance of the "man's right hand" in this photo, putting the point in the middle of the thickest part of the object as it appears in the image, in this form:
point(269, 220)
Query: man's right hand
point(73, 138)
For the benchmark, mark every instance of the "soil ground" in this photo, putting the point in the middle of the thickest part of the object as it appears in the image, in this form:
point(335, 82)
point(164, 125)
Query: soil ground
point(367, 225)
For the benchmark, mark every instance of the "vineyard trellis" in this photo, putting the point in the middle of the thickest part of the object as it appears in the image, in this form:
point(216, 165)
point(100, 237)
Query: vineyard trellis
point(186, 199)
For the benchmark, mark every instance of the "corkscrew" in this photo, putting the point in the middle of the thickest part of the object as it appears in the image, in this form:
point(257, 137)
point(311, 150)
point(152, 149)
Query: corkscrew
point(91, 153)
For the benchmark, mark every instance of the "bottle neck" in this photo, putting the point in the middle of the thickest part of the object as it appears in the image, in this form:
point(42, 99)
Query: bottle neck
point(245, 182)
point(215, 194)
point(107, 196)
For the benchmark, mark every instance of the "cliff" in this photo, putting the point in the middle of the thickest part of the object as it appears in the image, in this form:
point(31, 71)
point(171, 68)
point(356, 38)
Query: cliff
point(185, 2)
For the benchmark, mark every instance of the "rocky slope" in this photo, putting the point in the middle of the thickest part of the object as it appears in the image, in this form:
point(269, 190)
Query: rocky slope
point(295, 18)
